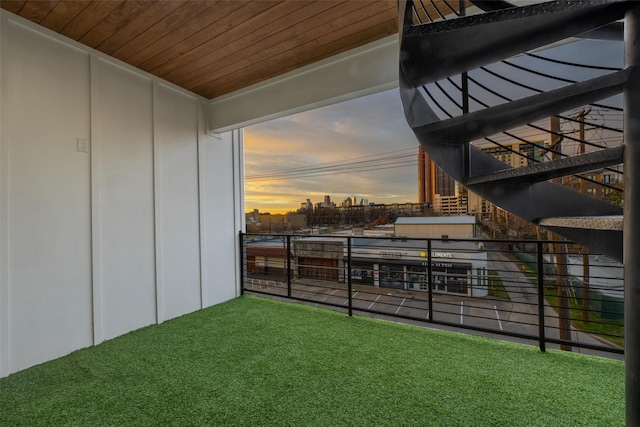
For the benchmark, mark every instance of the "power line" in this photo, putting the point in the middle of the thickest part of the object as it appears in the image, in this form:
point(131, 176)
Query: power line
point(336, 162)
point(347, 170)
point(341, 166)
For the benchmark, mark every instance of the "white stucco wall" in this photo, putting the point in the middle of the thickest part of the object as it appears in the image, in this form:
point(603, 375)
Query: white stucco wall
point(140, 229)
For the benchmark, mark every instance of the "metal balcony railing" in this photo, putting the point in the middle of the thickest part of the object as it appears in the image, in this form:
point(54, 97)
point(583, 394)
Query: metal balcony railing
point(536, 291)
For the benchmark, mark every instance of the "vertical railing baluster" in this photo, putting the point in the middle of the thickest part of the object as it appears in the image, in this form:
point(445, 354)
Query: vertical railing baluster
point(540, 280)
point(429, 280)
point(349, 276)
point(289, 266)
point(243, 262)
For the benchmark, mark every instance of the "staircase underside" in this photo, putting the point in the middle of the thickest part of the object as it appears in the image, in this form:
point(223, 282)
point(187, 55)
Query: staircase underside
point(446, 50)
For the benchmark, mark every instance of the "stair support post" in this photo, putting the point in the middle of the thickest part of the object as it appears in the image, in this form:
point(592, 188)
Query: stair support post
point(631, 249)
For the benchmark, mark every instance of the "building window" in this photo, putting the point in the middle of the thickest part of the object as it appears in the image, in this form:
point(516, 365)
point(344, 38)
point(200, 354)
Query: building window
point(391, 276)
point(453, 280)
point(417, 278)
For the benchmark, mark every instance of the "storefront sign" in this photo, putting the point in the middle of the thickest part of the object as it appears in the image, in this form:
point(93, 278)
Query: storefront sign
point(441, 255)
point(439, 264)
point(390, 254)
point(442, 264)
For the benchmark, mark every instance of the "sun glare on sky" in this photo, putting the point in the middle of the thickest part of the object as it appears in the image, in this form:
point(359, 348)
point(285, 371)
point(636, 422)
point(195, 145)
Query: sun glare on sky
point(358, 148)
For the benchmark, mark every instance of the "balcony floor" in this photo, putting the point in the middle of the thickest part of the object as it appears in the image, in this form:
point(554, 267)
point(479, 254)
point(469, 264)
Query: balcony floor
point(256, 361)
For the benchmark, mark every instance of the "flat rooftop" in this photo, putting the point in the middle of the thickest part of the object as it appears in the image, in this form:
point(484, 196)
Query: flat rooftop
point(436, 220)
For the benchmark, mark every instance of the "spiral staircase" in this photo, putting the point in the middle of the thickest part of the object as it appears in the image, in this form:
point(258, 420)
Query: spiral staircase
point(441, 58)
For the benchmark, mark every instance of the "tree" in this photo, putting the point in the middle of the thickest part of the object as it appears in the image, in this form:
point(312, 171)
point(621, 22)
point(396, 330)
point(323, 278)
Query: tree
point(616, 197)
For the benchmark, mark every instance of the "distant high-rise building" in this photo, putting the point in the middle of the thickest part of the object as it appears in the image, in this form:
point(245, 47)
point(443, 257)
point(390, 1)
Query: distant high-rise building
point(517, 154)
point(327, 201)
point(432, 180)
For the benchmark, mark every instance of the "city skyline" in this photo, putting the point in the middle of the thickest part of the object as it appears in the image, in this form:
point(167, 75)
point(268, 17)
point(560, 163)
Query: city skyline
point(362, 147)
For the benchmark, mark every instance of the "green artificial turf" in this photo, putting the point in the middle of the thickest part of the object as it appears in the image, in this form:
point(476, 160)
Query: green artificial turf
point(254, 361)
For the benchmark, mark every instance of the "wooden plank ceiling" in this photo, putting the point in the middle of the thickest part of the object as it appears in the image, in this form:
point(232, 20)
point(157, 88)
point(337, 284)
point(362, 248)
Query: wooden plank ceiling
point(215, 47)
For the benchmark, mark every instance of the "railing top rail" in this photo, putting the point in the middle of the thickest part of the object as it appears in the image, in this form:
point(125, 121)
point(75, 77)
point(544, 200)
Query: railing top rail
point(396, 238)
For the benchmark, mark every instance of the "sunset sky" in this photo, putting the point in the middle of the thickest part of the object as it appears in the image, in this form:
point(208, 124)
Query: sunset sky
point(364, 145)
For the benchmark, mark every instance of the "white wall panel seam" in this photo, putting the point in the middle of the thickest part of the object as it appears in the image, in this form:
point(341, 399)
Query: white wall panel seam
point(96, 255)
point(157, 205)
point(4, 195)
point(200, 129)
